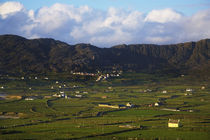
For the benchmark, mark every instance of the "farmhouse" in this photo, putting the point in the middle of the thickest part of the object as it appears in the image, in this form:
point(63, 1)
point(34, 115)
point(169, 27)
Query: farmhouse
point(173, 123)
point(157, 104)
point(30, 98)
point(189, 90)
point(56, 95)
point(61, 92)
point(129, 105)
point(164, 91)
point(147, 90)
point(203, 87)
point(78, 96)
point(188, 94)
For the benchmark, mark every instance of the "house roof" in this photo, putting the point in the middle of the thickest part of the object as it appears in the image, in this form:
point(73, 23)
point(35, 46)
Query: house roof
point(173, 121)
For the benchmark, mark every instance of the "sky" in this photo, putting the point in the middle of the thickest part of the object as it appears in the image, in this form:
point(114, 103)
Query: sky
point(105, 23)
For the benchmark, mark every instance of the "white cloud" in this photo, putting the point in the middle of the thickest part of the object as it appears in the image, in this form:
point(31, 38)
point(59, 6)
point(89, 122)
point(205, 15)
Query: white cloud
point(9, 8)
point(198, 25)
point(163, 16)
point(103, 28)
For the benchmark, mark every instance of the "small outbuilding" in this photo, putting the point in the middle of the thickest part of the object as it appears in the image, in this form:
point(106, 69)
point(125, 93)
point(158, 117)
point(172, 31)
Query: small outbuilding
point(157, 104)
point(164, 91)
point(130, 105)
point(189, 90)
point(173, 123)
point(203, 87)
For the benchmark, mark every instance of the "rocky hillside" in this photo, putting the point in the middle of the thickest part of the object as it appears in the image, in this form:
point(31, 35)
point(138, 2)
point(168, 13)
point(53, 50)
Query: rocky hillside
point(20, 55)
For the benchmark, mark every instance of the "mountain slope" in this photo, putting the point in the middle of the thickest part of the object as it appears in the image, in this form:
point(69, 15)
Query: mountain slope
point(20, 55)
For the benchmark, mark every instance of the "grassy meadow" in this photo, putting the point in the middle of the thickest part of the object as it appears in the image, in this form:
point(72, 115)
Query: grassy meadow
point(79, 117)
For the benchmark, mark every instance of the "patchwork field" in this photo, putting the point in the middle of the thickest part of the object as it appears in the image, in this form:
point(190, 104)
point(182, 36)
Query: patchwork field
point(67, 107)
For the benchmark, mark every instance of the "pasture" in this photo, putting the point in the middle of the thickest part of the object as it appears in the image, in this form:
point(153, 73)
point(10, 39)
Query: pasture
point(46, 116)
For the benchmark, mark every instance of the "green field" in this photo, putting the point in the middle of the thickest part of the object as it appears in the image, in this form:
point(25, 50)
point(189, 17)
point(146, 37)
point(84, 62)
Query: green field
point(50, 117)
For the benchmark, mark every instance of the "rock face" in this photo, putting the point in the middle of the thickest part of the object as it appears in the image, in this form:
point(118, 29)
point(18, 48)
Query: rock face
point(20, 55)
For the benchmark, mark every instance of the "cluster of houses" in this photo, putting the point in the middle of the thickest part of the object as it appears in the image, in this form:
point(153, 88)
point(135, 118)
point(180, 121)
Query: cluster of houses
point(61, 95)
point(147, 90)
point(156, 104)
point(23, 78)
point(128, 105)
point(83, 73)
point(100, 77)
point(31, 98)
point(106, 76)
point(57, 95)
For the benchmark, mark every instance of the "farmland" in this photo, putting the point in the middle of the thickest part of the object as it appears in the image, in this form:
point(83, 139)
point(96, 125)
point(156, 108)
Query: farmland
point(76, 115)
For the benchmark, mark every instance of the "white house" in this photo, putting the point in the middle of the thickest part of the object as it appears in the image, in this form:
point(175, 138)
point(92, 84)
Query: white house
point(157, 104)
point(164, 91)
point(56, 95)
point(173, 123)
point(30, 98)
point(78, 96)
point(203, 87)
point(129, 105)
point(189, 90)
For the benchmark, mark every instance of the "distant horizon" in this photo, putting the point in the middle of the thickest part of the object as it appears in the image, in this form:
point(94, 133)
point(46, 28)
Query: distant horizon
point(107, 46)
point(108, 22)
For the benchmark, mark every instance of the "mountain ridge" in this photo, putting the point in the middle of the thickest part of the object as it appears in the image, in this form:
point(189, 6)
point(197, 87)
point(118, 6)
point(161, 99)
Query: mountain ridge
point(21, 55)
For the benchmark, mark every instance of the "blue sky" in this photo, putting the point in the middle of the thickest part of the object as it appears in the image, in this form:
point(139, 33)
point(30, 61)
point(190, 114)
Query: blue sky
point(187, 7)
point(105, 23)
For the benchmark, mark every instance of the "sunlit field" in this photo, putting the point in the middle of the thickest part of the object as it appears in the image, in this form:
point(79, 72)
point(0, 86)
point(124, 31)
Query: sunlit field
point(31, 109)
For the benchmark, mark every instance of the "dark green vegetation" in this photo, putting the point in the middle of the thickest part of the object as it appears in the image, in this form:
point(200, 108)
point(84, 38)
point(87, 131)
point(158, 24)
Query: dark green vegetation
point(48, 117)
point(21, 56)
point(32, 71)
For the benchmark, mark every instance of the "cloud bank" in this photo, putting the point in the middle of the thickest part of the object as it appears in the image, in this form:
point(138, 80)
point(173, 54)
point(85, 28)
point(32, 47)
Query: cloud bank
point(103, 28)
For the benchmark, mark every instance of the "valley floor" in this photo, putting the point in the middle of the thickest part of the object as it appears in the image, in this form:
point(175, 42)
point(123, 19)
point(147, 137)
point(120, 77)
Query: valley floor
point(60, 107)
